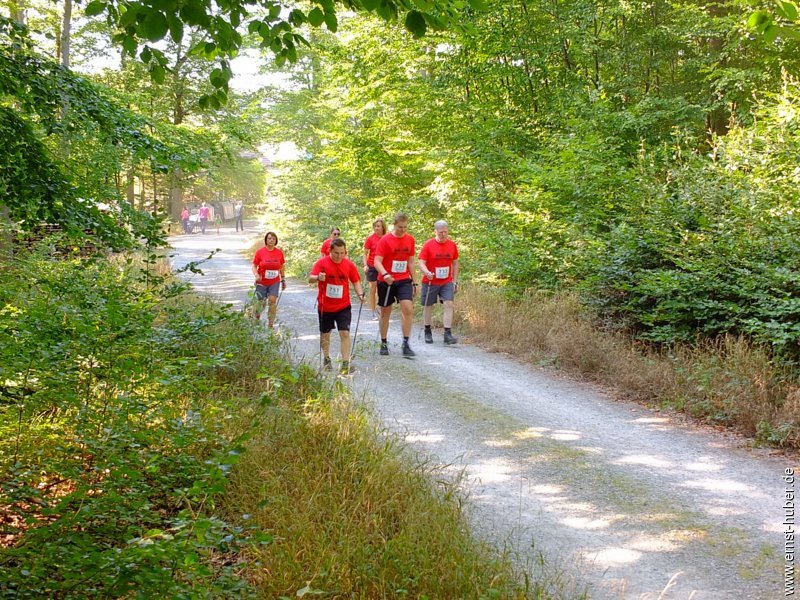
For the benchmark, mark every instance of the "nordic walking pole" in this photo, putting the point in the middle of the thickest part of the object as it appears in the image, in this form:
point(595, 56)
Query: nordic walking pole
point(278, 301)
point(425, 306)
point(319, 300)
point(388, 288)
point(355, 335)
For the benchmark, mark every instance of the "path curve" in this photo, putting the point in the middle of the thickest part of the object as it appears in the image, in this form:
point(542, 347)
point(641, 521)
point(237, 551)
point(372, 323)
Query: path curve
point(625, 499)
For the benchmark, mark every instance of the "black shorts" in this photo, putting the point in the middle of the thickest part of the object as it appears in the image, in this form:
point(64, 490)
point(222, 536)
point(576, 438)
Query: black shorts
point(399, 290)
point(372, 274)
point(341, 319)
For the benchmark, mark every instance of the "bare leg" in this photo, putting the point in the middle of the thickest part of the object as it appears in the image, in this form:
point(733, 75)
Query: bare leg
point(427, 315)
point(373, 295)
point(386, 312)
point(273, 310)
point(406, 315)
point(344, 337)
point(325, 342)
point(448, 314)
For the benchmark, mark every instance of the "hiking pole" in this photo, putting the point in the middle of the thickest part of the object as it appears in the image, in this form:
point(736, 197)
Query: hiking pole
point(425, 306)
point(355, 335)
point(320, 297)
point(388, 288)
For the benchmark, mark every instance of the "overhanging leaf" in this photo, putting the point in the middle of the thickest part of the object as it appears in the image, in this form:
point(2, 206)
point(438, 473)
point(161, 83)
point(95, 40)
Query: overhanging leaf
point(415, 23)
point(155, 26)
point(316, 17)
point(94, 8)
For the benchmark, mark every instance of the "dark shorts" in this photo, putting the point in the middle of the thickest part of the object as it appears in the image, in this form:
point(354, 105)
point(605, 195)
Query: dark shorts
point(372, 274)
point(430, 293)
point(341, 319)
point(262, 291)
point(399, 290)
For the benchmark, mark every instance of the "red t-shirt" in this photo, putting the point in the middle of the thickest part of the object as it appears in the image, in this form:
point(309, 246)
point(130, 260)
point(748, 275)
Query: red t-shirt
point(439, 259)
point(268, 264)
point(333, 294)
point(371, 243)
point(396, 252)
point(326, 247)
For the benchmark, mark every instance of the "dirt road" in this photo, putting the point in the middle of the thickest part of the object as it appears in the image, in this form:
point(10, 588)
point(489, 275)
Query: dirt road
point(625, 500)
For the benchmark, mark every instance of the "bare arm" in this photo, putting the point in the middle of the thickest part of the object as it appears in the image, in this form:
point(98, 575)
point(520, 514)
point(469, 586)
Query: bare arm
point(379, 265)
point(423, 267)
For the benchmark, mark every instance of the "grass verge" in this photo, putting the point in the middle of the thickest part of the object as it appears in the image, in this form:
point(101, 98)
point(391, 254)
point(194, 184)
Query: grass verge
point(728, 381)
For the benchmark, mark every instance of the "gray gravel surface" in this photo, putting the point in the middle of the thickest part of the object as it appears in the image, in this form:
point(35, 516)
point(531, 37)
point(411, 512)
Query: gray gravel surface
point(620, 500)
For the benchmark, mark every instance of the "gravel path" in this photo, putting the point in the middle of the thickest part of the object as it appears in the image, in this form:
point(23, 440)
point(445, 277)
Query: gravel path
point(627, 501)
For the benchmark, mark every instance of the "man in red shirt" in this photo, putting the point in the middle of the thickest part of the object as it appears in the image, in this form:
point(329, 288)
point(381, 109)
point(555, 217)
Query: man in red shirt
point(325, 249)
point(438, 261)
point(394, 261)
point(333, 275)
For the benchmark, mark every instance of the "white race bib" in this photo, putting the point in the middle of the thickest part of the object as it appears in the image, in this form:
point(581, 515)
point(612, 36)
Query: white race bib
point(442, 272)
point(271, 274)
point(334, 291)
point(399, 266)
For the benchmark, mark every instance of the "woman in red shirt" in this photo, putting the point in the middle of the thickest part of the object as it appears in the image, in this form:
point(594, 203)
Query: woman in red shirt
point(370, 244)
point(268, 269)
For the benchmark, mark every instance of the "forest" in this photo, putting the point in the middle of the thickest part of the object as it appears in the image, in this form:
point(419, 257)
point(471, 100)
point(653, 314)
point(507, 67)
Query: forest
point(642, 159)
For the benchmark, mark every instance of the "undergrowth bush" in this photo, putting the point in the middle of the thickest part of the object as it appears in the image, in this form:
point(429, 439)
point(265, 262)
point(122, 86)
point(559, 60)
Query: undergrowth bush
point(114, 443)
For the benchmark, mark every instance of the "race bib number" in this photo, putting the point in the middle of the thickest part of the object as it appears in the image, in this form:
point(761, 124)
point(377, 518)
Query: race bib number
point(399, 266)
point(442, 272)
point(271, 274)
point(334, 291)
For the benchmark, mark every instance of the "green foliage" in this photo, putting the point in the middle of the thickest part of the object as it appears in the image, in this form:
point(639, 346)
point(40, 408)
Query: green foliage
point(115, 445)
point(608, 150)
point(713, 247)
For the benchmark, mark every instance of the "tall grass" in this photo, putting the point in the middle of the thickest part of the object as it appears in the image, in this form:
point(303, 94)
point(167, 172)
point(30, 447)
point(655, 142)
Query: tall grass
point(728, 381)
point(352, 517)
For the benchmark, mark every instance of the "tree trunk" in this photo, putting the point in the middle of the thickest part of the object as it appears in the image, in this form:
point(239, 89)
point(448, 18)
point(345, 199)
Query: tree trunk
point(66, 35)
point(17, 11)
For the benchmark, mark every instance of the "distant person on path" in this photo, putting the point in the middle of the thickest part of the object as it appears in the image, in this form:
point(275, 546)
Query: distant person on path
point(325, 249)
point(268, 269)
point(333, 275)
point(394, 261)
point(203, 214)
point(238, 213)
point(438, 262)
point(370, 245)
point(185, 219)
point(217, 221)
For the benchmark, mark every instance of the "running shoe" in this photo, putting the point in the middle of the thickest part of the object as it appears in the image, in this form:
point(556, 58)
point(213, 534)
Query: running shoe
point(407, 351)
point(449, 338)
point(384, 350)
point(347, 368)
point(428, 336)
point(326, 364)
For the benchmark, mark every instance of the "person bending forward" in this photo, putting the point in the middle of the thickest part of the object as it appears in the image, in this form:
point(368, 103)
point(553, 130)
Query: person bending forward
point(333, 275)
